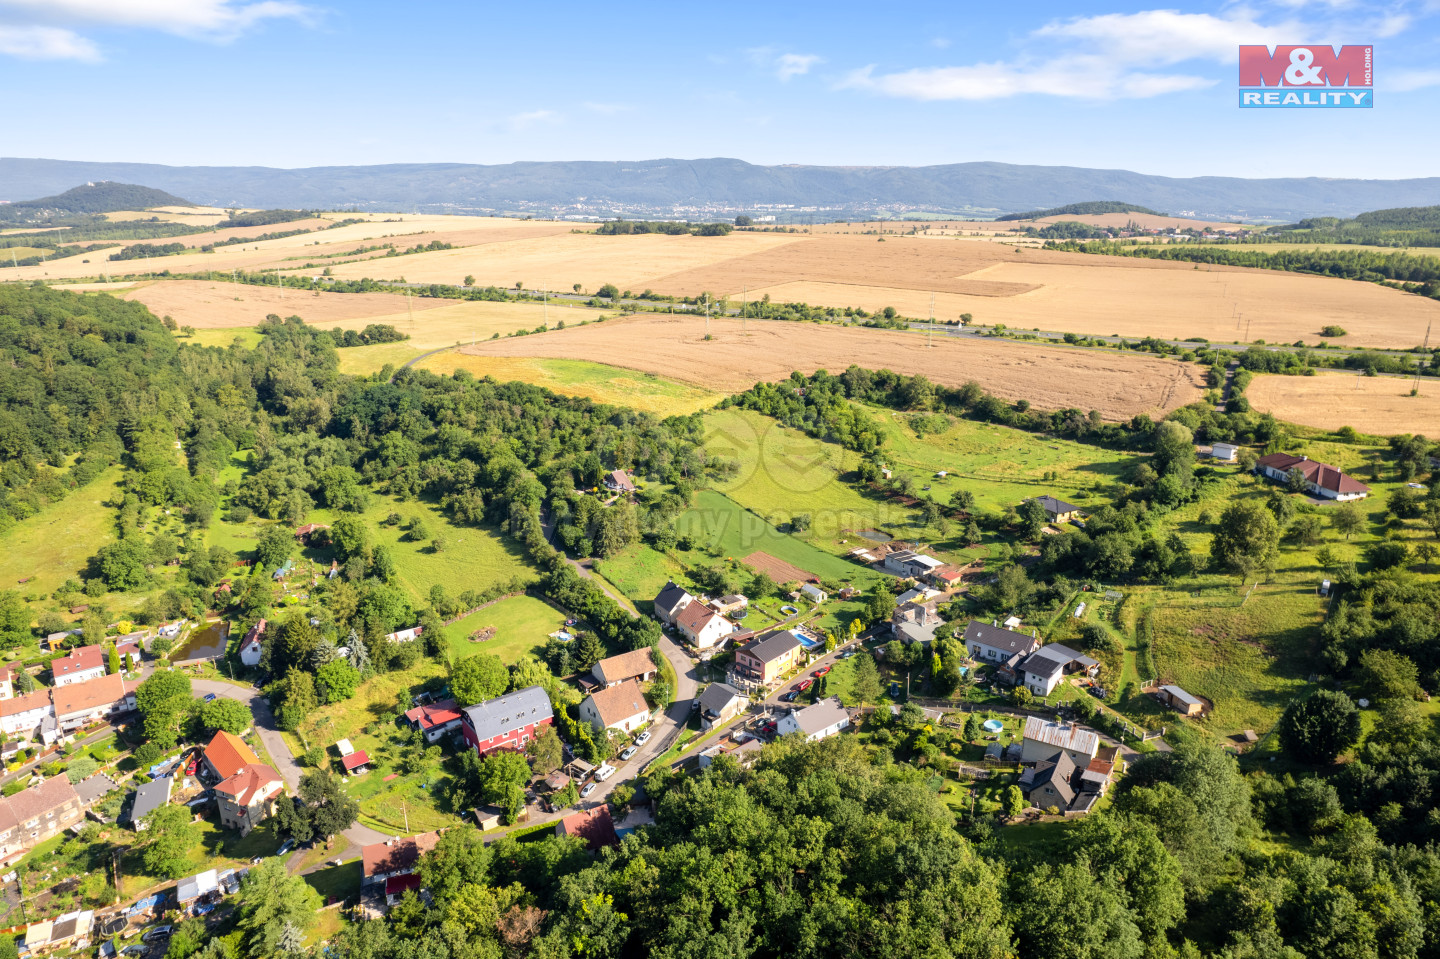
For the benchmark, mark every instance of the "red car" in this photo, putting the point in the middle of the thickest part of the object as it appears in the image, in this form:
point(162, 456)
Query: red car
point(821, 671)
point(190, 767)
point(801, 687)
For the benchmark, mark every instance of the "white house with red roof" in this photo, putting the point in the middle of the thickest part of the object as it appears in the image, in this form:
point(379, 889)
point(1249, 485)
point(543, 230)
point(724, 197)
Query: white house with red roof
point(78, 666)
point(1321, 479)
point(702, 626)
point(434, 720)
point(250, 647)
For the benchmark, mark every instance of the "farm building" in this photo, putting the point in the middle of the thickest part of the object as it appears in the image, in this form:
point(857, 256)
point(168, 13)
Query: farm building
point(1181, 701)
point(1057, 510)
point(506, 722)
point(1320, 479)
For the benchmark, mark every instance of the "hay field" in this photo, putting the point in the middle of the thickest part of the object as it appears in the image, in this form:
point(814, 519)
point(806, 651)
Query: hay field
point(645, 392)
point(208, 305)
point(1279, 307)
point(1117, 385)
point(197, 240)
point(189, 215)
point(1380, 405)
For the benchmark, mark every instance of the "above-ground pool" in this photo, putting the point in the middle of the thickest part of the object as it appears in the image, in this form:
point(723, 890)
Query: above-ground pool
point(789, 610)
point(994, 725)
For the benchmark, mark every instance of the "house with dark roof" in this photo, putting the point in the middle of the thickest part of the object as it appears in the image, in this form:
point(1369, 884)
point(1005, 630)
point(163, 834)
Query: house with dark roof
point(1043, 669)
point(670, 601)
point(93, 789)
point(916, 620)
point(248, 797)
point(1005, 648)
point(434, 720)
point(769, 657)
point(621, 707)
point(1058, 782)
point(592, 825)
point(637, 664)
point(506, 722)
point(1057, 510)
point(149, 797)
point(1320, 479)
point(720, 703)
point(226, 755)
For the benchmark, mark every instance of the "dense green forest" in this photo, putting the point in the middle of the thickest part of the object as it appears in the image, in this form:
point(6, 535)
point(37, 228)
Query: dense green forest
point(1400, 227)
point(671, 227)
point(1090, 208)
point(92, 198)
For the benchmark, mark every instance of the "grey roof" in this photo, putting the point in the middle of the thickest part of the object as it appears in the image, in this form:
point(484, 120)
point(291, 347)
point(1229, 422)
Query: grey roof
point(1057, 771)
point(1061, 735)
point(90, 790)
point(193, 887)
point(773, 646)
point(822, 715)
point(717, 696)
point(668, 597)
point(1042, 665)
point(1053, 505)
point(1048, 660)
point(495, 717)
point(916, 633)
point(1176, 692)
point(997, 637)
point(150, 797)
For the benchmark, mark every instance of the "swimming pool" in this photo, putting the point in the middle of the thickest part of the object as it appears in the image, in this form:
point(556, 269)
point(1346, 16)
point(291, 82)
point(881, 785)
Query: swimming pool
point(804, 640)
point(994, 725)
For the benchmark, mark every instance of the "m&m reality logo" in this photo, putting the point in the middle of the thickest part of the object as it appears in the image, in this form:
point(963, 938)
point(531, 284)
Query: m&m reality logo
point(1307, 77)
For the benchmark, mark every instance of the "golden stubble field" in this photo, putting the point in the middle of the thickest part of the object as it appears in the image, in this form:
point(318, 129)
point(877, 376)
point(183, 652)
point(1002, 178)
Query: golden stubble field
point(208, 305)
point(738, 355)
point(1371, 404)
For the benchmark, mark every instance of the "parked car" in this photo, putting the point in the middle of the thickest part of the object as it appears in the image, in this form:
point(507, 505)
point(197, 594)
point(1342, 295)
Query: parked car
point(694, 704)
point(768, 727)
point(285, 847)
point(643, 738)
point(847, 654)
point(894, 690)
point(589, 788)
point(156, 932)
point(209, 697)
point(337, 862)
point(604, 772)
point(822, 671)
point(135, 950)
point(789, 697)
point(801, 687)
point(629, 751)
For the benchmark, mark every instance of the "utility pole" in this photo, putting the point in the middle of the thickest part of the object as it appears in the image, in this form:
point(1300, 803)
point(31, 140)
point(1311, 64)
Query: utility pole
point(1418, 366)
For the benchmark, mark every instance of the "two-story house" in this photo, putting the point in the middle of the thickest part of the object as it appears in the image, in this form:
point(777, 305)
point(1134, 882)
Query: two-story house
point(506, 722)
point(225, 755)
point(621, 707)
point(766, 659)
point(25, 714)
point(248, 797)
point(702, 626)
point(434, 720)
point(389, 867)
point(78, 666)
point(33, 815)
point(80, 704)
point(670, 601)
point(251, 646)
point(638, 664)
point(1041, 738)
point(1043, 669)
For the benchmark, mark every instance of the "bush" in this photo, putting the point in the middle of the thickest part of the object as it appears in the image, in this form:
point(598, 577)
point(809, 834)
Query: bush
point(1332, 330)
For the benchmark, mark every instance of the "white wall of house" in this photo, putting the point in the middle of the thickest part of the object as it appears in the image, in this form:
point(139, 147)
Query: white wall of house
point(83, 676)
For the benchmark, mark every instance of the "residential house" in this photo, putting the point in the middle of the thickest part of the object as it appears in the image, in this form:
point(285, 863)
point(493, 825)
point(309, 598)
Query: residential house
point(1059, 782)
point(908, 563)
point(61, 933)
point(916, 594)
point(98, 700)
point(1320, 479)
point(506, 722)
point(915, 622)
point(619, 707)
point(247, 798)
point(744, 752)
point(669, 602)
point(8, 673)
point(619, 481)
point(36, 813)
point(637, 664)
point(191, 888)
point(1057, 510)
point(1043, 669)
point(702, 626)
point(726, 605)
point(55, 640)
point(767, 658)
point(820, 721)
point(23, 715)
point(405, 635)
point(250, 646)
point(226, 755)
point(1224, 452)
point(78, 665)
point(128, 649)
point(946, 577)
point(94, 788)
point(147, 798)
point(1181, 701)
point(592, 825)
point(389, 867)
point(814, 593)
point(488, 817)
point(720, 703)
point(1041, 738)
point(434, 720)
point(302, 533)
point(1003, 647)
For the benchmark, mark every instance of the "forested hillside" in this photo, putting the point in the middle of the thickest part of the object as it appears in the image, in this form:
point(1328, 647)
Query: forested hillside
point(1080, 209)
point(91, 198)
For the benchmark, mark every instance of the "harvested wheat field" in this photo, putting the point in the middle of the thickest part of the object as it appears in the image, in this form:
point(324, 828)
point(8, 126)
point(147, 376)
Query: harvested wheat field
point(1371, 404)
point(208, 305)
point(1176, 304)
point(1117, 385)
point(189, 215)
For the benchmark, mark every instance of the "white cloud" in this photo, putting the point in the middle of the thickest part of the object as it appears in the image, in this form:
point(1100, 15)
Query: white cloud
point(789, 65)
point(1080, 77)
point(940, 43)
point(1166, 36)
point(1408, 80)
point(205, 19)
point(523, 121)
point(45, 43)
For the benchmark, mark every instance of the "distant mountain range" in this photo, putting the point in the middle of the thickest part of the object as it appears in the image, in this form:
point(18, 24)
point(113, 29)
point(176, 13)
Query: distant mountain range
point(716, 187)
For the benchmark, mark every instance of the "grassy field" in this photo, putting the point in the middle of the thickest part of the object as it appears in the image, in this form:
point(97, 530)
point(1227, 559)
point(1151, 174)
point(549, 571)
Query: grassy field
point(360, 714)
point(364, 360)
point(596, 381)
point(522, 623)
point(247, 336)
point(56, 544)
point(640, 572)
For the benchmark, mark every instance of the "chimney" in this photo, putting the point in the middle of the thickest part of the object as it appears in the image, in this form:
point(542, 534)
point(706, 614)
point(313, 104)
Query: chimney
point(1304, 459)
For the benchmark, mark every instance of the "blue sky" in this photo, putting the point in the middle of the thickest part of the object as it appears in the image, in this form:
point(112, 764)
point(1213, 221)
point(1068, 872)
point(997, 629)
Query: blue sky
point(293, 83)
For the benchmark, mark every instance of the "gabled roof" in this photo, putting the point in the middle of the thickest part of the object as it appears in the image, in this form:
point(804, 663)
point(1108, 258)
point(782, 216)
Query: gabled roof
point(1175, 692)
point(617, 669)
point(1061, 735)
point(89, 790)
point(227, 754)
point(771, 647)
point(78, 660)
point(1053, 505)
point(822, 715)
point(620, 480)
point(252, 636)
point(434, 714)
point(15, 705)
point(717, 696)
point(243, 786)
point(1057, 771)
point(396, 855)
point(355, 760)
point(1049, 660)
point(35, 801)
point(999, 638)
point(150, 797)
point(593, 825)
point(694, 617)
point(616, 704)
point(92, 694)
point(670, 597)
point(497, 716)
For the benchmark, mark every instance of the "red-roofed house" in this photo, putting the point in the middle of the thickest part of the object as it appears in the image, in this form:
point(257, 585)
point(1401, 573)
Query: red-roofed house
point(227, 754)
point(434, 719)
point(592, 825)
point(382, 862)
point(247, 798)
point(620, 707)
point(1320, 478)
point(78, 666)
point(250, 648)
point(702, 625)
point(80, 704)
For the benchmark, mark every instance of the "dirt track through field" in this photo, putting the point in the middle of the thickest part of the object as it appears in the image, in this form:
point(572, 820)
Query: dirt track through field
point(1051, 378)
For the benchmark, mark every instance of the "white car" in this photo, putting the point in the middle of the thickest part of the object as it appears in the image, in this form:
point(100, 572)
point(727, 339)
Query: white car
point(629, 751)
point(604, 772)
point(589, 788)
point(643, 738)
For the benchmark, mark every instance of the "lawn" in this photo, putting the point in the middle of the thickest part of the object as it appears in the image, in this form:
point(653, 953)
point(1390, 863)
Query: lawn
point(56, 543)
point(248, 336)
point(640, 572)
point(523, 624)
point(337, 882)
point(724, 528)
point(596, 381)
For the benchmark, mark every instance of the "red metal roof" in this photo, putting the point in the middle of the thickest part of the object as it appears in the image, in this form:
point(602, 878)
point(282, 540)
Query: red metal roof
point(355, 760)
